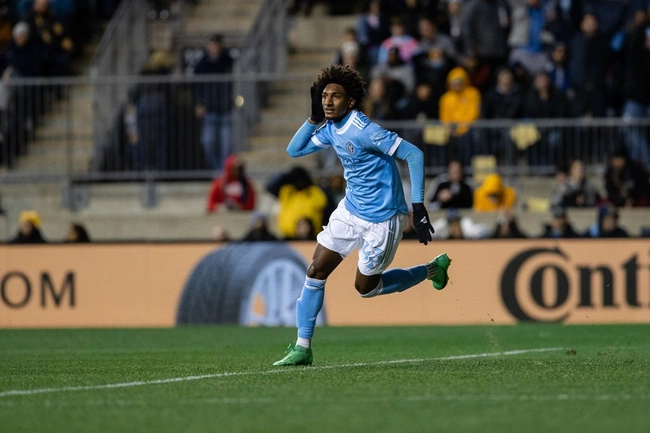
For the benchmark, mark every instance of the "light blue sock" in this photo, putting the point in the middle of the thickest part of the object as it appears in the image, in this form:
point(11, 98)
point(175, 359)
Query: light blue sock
point(308, 306)
point(398, 280)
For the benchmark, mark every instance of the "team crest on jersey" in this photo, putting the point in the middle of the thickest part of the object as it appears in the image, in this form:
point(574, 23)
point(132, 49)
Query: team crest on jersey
point(350, 148)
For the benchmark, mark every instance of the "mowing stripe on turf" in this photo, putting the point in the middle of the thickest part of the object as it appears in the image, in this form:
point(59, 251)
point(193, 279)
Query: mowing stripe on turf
point(376, 399)
point(266, 372)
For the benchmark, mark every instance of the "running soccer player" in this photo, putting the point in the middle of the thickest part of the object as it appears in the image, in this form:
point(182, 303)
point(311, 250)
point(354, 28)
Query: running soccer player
point(371, 217)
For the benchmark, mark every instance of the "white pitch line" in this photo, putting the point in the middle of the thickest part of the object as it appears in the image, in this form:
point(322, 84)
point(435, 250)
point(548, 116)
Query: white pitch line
point(266, 372)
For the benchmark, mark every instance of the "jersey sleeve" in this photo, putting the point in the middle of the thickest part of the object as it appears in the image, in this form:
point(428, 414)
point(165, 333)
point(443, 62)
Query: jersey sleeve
point(320, 138)
point(375, 138)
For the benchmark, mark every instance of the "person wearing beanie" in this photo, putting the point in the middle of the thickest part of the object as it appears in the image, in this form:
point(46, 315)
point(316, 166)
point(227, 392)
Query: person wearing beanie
point(29, 229)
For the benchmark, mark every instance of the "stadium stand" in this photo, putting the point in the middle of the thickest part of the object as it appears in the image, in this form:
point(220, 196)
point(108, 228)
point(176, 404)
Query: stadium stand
point(78, 163)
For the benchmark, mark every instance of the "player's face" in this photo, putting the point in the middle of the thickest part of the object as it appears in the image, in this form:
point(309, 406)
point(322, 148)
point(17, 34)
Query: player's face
point(336, 102)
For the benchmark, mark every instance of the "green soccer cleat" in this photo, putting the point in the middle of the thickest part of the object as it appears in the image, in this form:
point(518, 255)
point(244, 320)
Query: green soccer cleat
point(296, 355)
point(438, 271)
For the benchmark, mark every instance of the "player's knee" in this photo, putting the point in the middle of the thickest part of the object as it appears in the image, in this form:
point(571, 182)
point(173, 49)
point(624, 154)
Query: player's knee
point(363, 288)
point(316, 273)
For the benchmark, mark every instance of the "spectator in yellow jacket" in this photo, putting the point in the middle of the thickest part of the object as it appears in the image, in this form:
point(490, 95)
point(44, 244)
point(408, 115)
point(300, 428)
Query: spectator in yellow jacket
point(299, 198)
point(460, 104)
point(493, 195)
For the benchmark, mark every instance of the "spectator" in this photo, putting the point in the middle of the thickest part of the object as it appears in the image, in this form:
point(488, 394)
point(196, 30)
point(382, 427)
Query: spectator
point(432, 68)
point(460, 106)
point(637, 92)
point(214, 102)
point(396, 69)
point(626, 181)
point(587, 65)
point(384, 97)
point(493, 195)
point(450, 23)
point(557, 68)
point(449, 190)
point(51, 36)
point(575, 190)
point(461, 103)
point(607, 224)
point(412, 12)
point(505, 101)
point(5, 28)
point(372, 29)
point(232, 188)
point(543, 101)
point(484, 32)
point(562, 18)
point(304, 231)
point(507, 227)
point(409, 231)
point(22, 56)
point(299, 198)
point(77, 234)
point(431, 39)
point(455, 226)
point(406, 44)
point(527, 35)
point(19, 110)
point(148, 117)
point(29, 229)
point(349, 53)
point(220, 234)
point(422, 105)
point(560, 227)
point(297, 7)
point(259, 230)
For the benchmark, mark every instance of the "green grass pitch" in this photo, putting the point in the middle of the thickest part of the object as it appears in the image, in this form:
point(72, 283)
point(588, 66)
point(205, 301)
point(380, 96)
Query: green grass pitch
point(220, 379)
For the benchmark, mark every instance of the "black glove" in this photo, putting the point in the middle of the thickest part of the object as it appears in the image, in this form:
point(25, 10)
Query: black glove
point(317, 113)
point(422, 223)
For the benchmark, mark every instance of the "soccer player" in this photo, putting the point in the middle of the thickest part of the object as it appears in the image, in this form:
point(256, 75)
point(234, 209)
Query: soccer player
point(371, 216)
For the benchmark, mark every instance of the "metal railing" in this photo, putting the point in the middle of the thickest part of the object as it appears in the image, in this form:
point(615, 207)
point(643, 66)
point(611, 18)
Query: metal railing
point(527, 146)
point(264, 51)
point(47, 130)
point(122, 51)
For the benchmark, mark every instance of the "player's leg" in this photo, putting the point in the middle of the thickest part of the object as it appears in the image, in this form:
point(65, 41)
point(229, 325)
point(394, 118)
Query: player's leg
point(311, 299)
point(339, 239)
point(400, 279)
point(380, 244)
point(309, 305)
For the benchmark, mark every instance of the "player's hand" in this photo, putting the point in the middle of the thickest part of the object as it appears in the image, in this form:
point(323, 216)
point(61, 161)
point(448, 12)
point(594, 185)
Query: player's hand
point(317, 113)
point(422, 223)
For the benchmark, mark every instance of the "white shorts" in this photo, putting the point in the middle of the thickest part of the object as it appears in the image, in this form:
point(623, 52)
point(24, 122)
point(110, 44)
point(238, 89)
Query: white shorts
point(377, 242)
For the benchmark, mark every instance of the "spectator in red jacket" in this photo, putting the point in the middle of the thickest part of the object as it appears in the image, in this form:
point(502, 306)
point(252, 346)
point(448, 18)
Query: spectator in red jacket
point(233, 188)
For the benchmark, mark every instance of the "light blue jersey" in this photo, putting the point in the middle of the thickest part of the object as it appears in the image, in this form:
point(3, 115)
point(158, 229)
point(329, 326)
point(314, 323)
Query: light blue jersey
point(374, 188)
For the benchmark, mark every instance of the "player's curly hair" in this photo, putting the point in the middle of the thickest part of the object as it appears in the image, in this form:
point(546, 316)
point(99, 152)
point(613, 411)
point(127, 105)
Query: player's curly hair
point(345, 76)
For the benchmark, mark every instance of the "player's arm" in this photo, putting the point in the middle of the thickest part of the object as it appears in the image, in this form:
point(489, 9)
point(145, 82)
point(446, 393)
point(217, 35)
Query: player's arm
point(304, 141)
point(415, 160)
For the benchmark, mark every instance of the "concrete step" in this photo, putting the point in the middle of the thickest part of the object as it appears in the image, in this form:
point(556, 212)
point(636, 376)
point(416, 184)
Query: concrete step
point(298, 101)
point(234, 9)
point(267, 141)
point(225, 24)
point(319, 31)
point(276, 129)
point(271, 161)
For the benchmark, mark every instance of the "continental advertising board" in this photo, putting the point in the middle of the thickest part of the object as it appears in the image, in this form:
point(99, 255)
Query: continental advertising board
point(162, 285)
